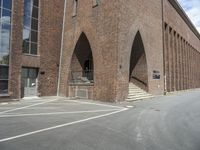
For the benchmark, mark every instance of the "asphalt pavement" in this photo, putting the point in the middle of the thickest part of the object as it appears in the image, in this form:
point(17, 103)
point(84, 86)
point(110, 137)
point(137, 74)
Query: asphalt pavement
point(162, 123)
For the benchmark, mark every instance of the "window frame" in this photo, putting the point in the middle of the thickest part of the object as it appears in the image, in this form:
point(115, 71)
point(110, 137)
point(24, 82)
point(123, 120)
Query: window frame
point(30, 29)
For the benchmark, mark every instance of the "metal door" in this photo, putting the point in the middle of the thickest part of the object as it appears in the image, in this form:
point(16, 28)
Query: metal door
point(29, 82)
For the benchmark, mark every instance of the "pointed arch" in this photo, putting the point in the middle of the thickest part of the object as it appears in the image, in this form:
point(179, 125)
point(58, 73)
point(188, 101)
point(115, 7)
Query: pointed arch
point(138, 71)
point(81, 67)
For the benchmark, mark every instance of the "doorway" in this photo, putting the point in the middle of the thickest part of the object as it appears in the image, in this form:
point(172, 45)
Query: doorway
point(29, 82)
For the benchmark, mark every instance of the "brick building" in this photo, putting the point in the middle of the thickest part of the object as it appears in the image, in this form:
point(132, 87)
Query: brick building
point(97, 49)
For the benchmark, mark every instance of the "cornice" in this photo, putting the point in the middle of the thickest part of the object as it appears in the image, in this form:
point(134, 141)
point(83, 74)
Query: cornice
point(184, 16)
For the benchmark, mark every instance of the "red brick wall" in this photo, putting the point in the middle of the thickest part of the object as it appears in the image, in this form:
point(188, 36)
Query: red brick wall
point(181, 51)
point(50, 27)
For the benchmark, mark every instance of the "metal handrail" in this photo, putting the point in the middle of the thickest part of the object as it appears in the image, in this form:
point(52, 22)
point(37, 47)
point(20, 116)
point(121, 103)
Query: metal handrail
point(139, 80)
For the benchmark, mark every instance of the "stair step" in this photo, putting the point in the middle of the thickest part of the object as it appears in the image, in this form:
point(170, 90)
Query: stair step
point(139, 98)
point(136, 96)
point(135, 89)
point(142, 94)
point(136, 93)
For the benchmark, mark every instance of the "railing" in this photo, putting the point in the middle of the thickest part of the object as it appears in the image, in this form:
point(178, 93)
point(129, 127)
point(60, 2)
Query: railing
point(81, 77)
point(145, 84)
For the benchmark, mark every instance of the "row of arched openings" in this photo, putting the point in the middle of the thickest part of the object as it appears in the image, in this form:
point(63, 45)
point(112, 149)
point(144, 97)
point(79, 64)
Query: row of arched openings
point(82, 67)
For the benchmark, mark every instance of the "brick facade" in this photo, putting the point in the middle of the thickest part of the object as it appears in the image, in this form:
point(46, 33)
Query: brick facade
point(169, 46)
point(47, 60)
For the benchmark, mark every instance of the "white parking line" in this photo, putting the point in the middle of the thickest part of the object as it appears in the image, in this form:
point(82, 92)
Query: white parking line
point(97, 104)
point(19, 108)
point(3, 103)
point(56, 113)
point(62, 125)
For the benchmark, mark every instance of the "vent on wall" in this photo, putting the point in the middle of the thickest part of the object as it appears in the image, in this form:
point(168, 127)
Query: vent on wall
point(81, 93)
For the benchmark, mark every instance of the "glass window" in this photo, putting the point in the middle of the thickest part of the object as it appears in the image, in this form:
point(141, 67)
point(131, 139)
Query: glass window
point(7, 4)
point(5, 38)
point(25, 46)
point(5, 30)
point(4, 58)
point(34, 36)
point(3, 86)
point(33, 48)
point(32, 73)
point(30, 31)
point(35, 12)
point(34, 25)
point(6, 16)
point(3, 72)
point(25, 72)
point(27, 22)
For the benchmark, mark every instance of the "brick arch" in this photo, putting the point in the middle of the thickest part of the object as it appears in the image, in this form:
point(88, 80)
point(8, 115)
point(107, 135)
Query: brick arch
point(82, 55)
point(124, 57)
point(134, 29)
point(91, 37)
point(68, 48)
point(138, 69)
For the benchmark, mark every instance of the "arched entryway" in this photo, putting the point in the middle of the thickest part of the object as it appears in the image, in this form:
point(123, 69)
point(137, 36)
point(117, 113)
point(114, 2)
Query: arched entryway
point(81, 68)
point(81, 74)
point(138, 72)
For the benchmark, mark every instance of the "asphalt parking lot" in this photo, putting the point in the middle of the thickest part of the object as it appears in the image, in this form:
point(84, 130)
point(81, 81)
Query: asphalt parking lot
point(34, 119)
point(163, 123)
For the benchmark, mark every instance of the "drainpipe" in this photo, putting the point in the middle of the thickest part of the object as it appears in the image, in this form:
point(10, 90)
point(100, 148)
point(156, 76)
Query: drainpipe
point(62, 43)
point(163, 39)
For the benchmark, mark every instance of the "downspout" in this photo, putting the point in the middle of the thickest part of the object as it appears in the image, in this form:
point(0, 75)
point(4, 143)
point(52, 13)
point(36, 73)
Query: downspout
point(61, 50)
point(163, 39)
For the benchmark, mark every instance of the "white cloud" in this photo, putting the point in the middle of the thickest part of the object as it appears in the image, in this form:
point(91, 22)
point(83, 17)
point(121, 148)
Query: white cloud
point(192, 9)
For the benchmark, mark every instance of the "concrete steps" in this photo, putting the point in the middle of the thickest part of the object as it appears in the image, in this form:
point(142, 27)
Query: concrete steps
point(136, 93)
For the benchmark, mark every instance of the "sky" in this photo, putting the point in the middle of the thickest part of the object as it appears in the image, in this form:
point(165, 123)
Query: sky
point(192, 9)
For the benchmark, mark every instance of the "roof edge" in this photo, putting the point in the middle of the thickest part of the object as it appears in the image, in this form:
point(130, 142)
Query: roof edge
point(185, 17)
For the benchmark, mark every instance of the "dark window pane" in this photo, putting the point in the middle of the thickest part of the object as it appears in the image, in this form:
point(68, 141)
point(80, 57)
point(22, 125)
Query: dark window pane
point(25, 46)
point(33, 48)
point(4, 58)
point(1, 3)
point(35, 12)
point(6, 16)
point(34, 36)
point(33, 73)
point(34, 24)
point(24, 72)
point(3, 86)
point(5, 38)
point(3, 72)
point(35, 3)
point(7, 4)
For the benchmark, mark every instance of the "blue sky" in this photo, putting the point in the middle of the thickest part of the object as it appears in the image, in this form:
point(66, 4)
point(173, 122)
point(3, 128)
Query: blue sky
point(192, 9)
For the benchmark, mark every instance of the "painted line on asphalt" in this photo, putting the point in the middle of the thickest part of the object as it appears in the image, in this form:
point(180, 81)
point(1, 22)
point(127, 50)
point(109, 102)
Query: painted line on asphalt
point(20, 108)
point(97, 104)
point(56, 113)
point(62, 125)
